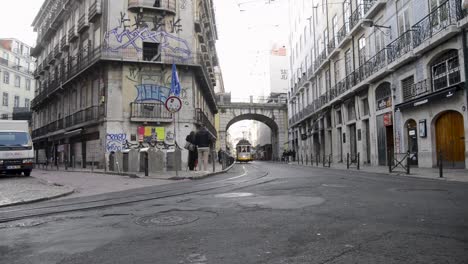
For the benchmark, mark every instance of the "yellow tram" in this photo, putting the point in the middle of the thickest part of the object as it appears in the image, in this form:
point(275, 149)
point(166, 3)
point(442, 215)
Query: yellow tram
point(244, 151)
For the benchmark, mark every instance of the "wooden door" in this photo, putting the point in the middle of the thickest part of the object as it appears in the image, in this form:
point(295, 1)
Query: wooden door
point(450, 139)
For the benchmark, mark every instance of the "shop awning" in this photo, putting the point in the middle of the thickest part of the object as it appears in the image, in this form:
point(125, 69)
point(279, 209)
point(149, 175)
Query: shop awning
point(435, 96)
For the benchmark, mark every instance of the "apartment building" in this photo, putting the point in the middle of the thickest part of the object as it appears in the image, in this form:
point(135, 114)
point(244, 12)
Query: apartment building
point(376, 79)
point(17, 80)
point(105, 70)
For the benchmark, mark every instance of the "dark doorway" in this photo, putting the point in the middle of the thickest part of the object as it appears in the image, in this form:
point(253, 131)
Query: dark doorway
point(352, 140)
point(367, 140)
point(384, 137)
point(340, 143)
point(412, 134)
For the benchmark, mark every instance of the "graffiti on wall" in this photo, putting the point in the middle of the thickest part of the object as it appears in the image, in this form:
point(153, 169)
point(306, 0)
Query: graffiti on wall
point(152, 92)
point(130, 35)
point(115, 142)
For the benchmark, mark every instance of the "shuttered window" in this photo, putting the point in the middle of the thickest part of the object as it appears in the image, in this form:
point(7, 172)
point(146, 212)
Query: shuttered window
point(407, 87)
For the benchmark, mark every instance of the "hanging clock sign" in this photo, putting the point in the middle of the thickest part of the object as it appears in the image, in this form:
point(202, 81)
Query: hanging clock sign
point(173, 104)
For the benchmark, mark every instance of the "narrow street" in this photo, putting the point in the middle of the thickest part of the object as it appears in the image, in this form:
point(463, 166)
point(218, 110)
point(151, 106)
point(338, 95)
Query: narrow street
point(256, 213)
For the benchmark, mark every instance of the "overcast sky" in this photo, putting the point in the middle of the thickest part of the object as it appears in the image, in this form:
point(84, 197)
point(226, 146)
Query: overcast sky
point(246, 30)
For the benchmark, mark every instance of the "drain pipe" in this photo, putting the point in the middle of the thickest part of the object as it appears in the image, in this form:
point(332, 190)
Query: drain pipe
point(465, 59)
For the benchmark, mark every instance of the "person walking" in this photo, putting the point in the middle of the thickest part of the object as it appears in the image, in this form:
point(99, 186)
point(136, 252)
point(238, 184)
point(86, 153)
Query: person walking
point(192, 151)
point(203, 143)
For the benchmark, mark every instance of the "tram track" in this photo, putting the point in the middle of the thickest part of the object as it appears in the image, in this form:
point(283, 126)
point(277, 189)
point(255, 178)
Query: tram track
point(67, 207)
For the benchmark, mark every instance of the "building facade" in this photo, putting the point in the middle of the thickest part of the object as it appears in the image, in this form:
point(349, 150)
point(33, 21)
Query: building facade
point(376, 79)
point(105, 70)
point(17, 83)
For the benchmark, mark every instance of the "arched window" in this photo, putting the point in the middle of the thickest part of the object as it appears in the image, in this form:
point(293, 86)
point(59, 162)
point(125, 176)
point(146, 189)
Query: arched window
point(445, 70)
point(383, 96)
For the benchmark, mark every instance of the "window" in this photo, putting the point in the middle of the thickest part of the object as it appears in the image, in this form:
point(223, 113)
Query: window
point(348, 62)
point(17, 81)
point(347, 14)
point(383, 96)
point(28, 85)
point(27, 102)
point(17, 61)
point(339, 119)
point(337, 71)
point(16, 102)
point(325, 40)
point(335, 29)
point(351, 111)
point(362, 50)
point(365, 107)
point(5, 56)
point(407, 87)
point(151, 51)
point(6, 77)
point(404, 24)
point(327, 80)
point(446, 70)
point(5, 99)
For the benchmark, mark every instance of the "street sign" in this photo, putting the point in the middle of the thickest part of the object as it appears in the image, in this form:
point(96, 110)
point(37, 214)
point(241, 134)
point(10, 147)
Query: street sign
point(173, 104)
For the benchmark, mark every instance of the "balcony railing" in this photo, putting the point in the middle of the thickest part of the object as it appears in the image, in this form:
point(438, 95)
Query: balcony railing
point(83, 22)
point(57, 51)
point(342, 33)
point(72, 33)
point(446, 14)
point(357, 15)
point(87, 57)
point(416, 90)
point(204, 121)
point(94, 10)
point(150, 111)
point(399, 47)
point(64, 44)
point(163, 5)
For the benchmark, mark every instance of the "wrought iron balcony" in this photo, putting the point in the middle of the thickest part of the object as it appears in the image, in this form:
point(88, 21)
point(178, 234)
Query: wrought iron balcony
point(204, 121)
point(356, 16)
point(94, 10)
point(64, 44)
point(342, 33)
point(162, 5)
point(399, 47)
point(72, 33)
point(57, 51)
point(83, 22)
point(416, 90)
point(445, 15)
point(150, 112)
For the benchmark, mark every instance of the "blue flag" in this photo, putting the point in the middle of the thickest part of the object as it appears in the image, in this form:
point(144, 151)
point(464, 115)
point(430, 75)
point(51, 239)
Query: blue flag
point(175, 84)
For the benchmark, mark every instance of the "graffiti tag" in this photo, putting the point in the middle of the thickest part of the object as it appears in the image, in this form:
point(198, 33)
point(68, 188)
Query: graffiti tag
point(115, 142)
point(152, 92)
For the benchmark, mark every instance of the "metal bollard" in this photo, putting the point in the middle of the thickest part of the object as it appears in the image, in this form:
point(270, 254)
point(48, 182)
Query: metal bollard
point(347, 161)
point(441, 165)
point(408, 160)
point(358, 161)
point(329, 161)
point(389, 160)
point(146, 164)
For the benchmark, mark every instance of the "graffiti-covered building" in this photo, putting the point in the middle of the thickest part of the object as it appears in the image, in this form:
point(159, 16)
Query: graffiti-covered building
point(105, 69)
point(377, 79)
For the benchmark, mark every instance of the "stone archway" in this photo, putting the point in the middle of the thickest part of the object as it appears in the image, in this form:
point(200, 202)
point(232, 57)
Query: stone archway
point(273, 113)
point(263, 119)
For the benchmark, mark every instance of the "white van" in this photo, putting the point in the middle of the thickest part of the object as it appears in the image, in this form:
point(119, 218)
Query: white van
point(16, 148)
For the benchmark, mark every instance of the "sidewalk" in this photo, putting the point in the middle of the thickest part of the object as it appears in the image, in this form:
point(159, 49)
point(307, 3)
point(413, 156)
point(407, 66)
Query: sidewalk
point(21, 190)
point(164, 175)
point(460, 175)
